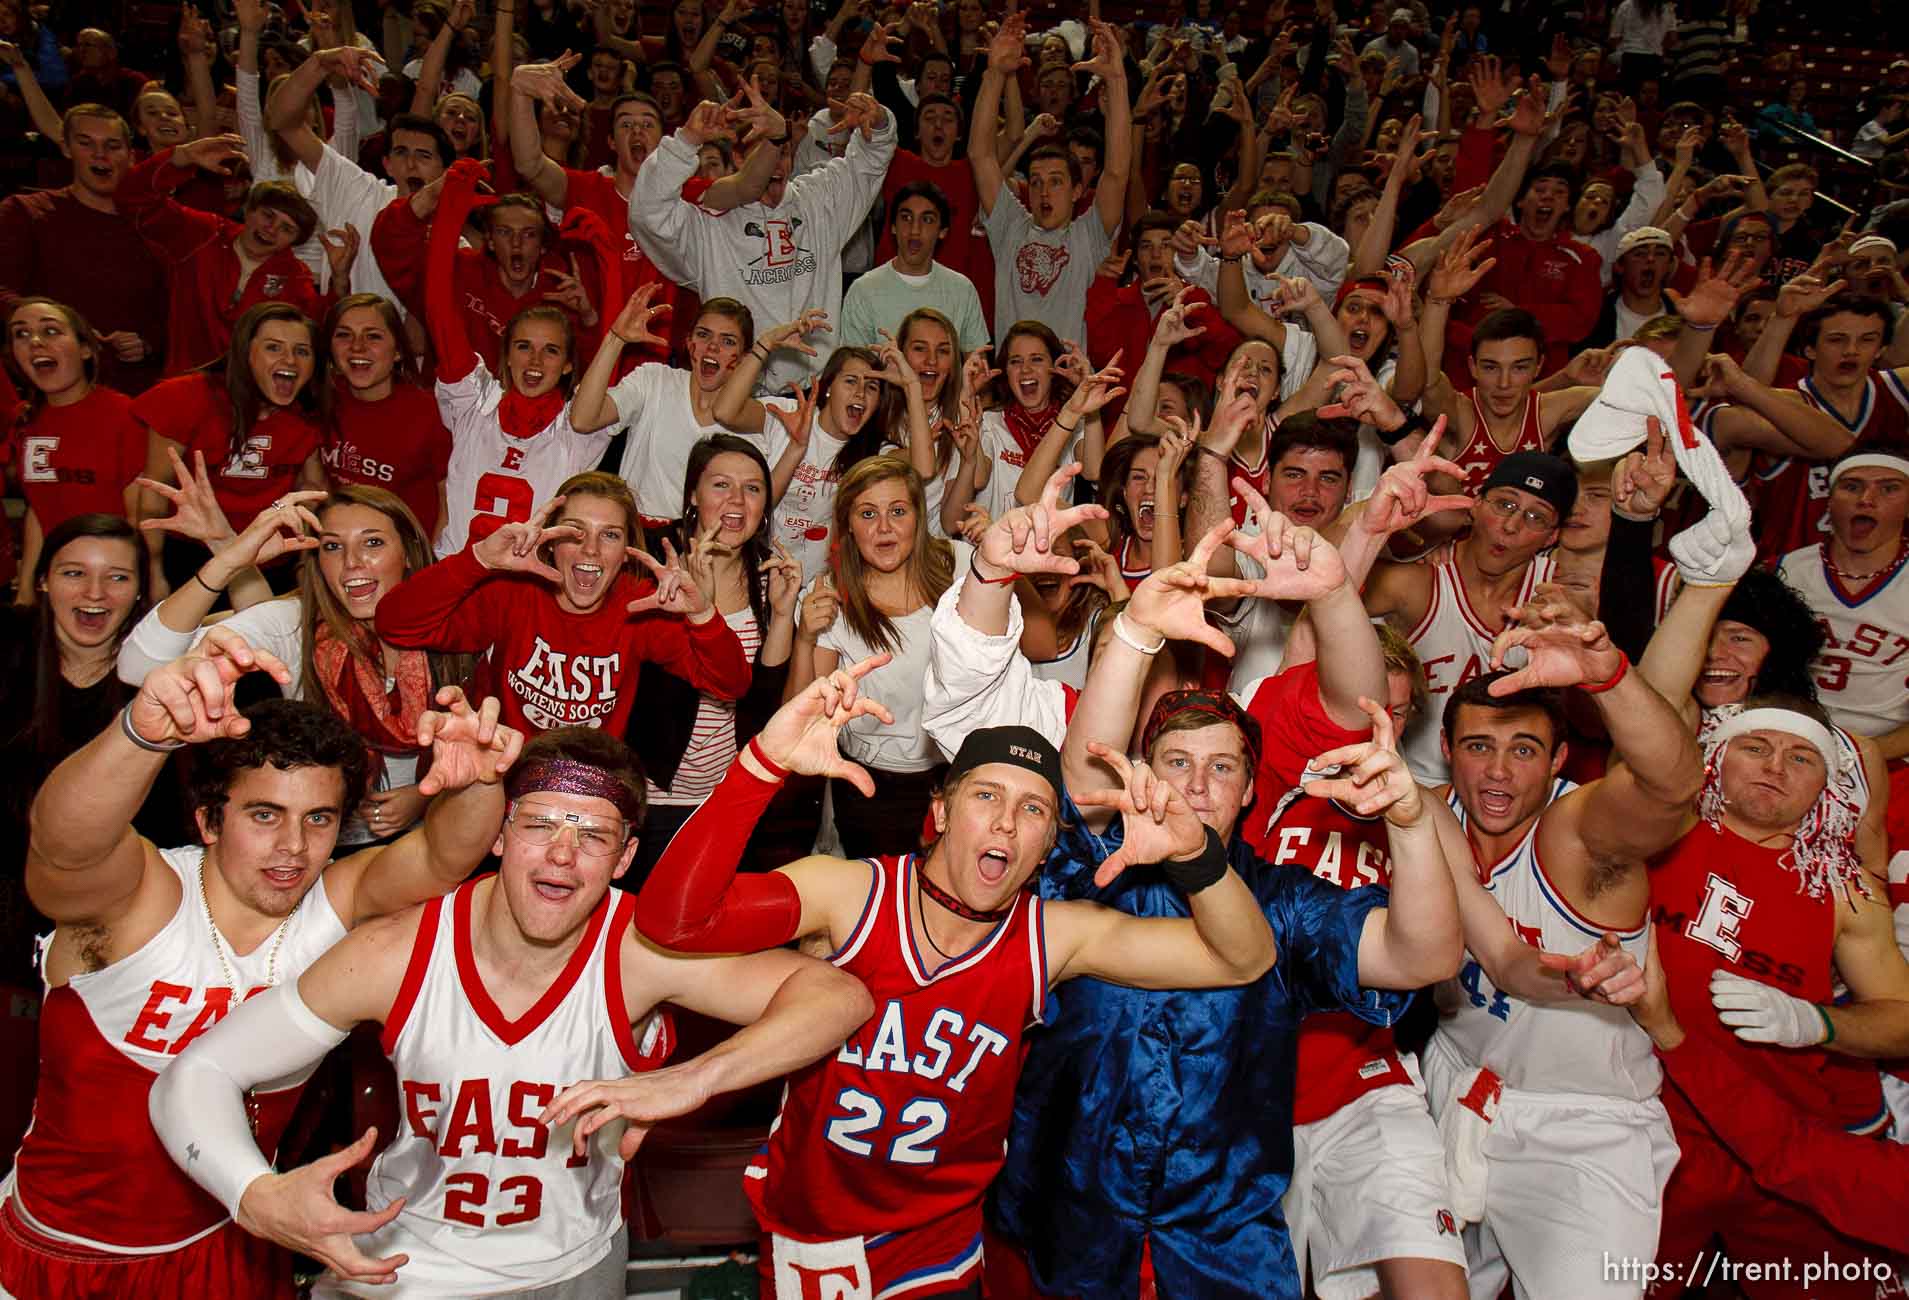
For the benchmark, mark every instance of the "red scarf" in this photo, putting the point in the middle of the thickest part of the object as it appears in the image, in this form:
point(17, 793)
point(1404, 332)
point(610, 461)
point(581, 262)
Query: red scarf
point(526, 417)
point(1026, 425)
point(354, 687)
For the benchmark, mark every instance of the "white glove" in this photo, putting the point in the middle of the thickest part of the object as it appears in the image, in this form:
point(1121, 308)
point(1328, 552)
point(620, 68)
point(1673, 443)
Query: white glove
point(1716, 550)
point(1761, 1014)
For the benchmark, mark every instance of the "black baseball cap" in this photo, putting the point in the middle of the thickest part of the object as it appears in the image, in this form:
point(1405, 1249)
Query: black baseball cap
point(1549, 478)
point(1019, 746)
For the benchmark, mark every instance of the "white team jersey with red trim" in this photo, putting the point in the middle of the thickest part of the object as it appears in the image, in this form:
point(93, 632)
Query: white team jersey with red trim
point(90, 1169)
point(1862, 674)
point(1793, 505)
point(1453, 646)
point(494, 1201)
point(1480, 455)
point(495, 479)
point(907, 1124)
point(1576, 1046)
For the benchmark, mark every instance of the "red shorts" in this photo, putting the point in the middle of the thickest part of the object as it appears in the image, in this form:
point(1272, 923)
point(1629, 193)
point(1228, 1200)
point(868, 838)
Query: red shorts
point(940, 1259)
point(230, 1262)
point(1710, 1193)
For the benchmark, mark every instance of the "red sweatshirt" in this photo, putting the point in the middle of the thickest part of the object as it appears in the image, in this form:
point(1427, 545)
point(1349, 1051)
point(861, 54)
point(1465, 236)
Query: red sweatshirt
point(1118, 321)
point(399, 240)
point(552, 668)
point(593, 191)
point(203, 269)
point(79, 458)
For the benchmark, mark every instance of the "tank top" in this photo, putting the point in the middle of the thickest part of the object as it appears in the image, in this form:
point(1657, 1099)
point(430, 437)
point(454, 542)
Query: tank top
point(90, 1169)
point(494, 1201)
point(907, 1124)
point(1577, 1046)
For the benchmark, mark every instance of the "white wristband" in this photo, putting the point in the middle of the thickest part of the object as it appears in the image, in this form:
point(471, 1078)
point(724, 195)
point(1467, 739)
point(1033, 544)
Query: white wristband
point(1126, 638)
point(197, 1104)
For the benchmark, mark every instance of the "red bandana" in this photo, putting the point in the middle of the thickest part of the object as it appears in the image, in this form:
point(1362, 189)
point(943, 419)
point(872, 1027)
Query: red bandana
point(526, 417)
point(1027, 425)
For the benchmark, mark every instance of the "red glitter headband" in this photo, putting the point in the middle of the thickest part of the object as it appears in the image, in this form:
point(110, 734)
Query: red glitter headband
point(567, 776)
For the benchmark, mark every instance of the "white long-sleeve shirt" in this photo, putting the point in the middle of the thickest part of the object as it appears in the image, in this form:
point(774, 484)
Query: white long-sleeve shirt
point(1322, 259)
point(778, 261)
point(975, 680)
point(1646, 194)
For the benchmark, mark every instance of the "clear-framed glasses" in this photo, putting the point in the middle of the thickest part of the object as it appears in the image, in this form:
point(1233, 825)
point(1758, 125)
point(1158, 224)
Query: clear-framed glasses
point(594, 839)
point(1506, 507)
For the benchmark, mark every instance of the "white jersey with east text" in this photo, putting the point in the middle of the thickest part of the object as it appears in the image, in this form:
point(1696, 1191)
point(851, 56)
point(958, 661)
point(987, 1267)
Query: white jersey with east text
point(1578, 1046)
point(1862, 674)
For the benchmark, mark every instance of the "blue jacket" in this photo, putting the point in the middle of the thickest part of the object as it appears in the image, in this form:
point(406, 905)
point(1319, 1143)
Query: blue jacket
point(1168, 1115)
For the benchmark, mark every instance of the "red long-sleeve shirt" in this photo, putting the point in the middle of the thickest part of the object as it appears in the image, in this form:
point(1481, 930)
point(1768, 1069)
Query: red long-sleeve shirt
point(549, 667)
point(1558, 280)
point(400, 240)
point(1118, 321)
point(202, 267)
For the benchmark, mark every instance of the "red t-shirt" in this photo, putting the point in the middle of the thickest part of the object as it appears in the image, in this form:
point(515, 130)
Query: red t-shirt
point(79, 458)
point(551, 668)
point(399, 444)
point(596, 192)
point(194, 411)
point(1294, 729)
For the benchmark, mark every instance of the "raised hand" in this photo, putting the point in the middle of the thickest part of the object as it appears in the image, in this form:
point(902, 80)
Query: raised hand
point(1604, 972)
point(977, 372)
point(632, 324)
point(1098, 568)
point(468, 746)
point(1171, 602)
point(1022, 540)
point(1643, 480)
point(517, 547)
point(1564, 651)
point(640, 1100)
point(1359, 395)
point(676, 591)
point(1403, 497)
point(341, 251)
point(1588, 368)
point(1457, 206)
point(1295, 562)
point(1491, 85)
point(352, 65)
point(879, 45)
point(796, 422)
point(858, 110)
point(1175, 324)
point(197, 513)
point(569, 292)
point(222, 155)
point(1158, 824)
point(1461, 267)
point(1007, 51)
point(298, 1211)
point(706, 121)
point(819, 607)
point(801, 737)
point(1714, 296)
point(190, 700)
point(277, 530)
point(545, 82)
point(895, 368)
point(1371, 777)
point(785, 579)
point(759, 116)
point(1095, 389)
point(1805, 293)
point(1527, 110)
point(1236, 236)
point(795, 334)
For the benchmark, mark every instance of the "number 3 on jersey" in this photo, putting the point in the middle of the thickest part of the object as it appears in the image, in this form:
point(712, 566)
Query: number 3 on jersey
point(500, 499)
point(922, 1121)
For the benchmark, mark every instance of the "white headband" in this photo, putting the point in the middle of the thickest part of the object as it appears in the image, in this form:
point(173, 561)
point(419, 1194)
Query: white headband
point(1868, 242)
point(1869, 460)
point(1788, 721)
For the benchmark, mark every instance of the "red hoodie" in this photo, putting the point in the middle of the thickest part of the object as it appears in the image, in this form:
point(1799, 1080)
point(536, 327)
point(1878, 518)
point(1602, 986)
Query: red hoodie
point(203, 269)
point(551, 668)
point(1118, 321)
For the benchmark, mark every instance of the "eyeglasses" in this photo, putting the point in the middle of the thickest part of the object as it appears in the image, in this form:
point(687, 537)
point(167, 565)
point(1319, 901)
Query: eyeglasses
point(594, 839)
point(1507, 507)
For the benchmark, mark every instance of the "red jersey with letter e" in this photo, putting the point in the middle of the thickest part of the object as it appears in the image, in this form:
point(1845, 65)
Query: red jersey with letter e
point(1341, 1057)
point(874, 1171)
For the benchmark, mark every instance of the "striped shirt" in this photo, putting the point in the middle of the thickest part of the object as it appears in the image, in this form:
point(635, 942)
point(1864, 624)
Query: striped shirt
point(712, 742)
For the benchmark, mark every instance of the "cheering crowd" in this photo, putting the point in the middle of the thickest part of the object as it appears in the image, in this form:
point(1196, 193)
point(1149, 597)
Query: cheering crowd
point(1260, 653)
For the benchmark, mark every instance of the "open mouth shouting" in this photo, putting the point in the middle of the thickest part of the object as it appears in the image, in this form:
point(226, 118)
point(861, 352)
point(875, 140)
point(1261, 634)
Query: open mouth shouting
point(1029, 390)
point(587, 579)
point(285, 384)
point(733, 522)
point(533, 377)
point(994, 864)
point(44, 365)
point(361, 595)
point(857, 413)
point(1496, 803)
point(1143, 520)
point(92, 620)
point(708, 371)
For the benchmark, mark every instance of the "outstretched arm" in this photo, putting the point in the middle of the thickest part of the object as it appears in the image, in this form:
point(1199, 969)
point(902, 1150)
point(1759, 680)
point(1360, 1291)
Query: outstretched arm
point(530, 83)
point(1007, 53)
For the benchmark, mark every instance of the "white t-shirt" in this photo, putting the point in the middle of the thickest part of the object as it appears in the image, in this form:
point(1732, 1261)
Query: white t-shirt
point(806, 512)
point(1040, 274)
point(653, 403)
point(345, 194)
point(1008, 460)
point(904, 746)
